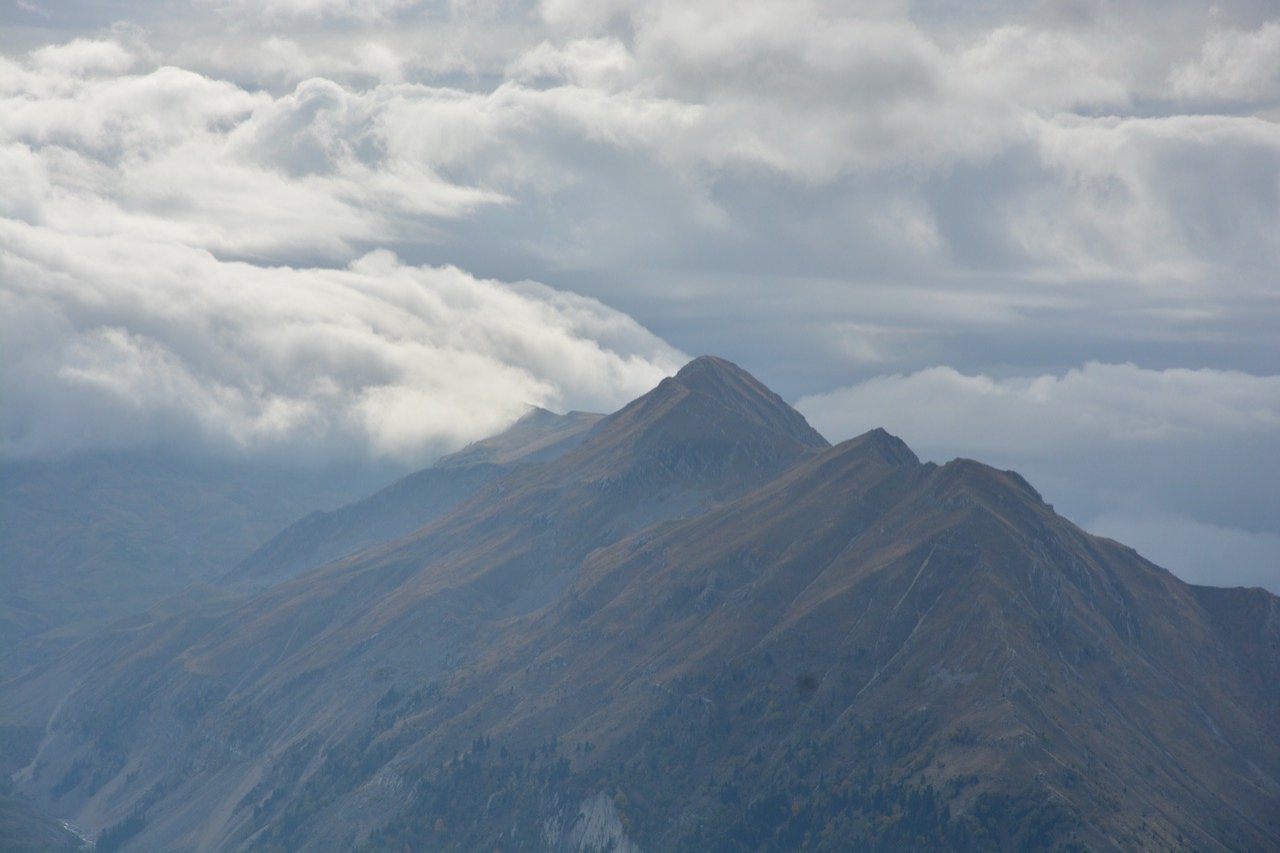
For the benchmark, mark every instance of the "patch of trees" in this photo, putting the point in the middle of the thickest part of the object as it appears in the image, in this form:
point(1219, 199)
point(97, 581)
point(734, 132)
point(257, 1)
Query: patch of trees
point(115, 836)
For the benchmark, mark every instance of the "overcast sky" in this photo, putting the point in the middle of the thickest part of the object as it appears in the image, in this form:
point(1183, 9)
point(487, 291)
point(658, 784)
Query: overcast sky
point(1041, 234)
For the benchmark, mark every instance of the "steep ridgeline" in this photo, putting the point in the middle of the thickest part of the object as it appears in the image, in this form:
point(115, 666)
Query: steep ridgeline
point(700, 628)
point(412, 501)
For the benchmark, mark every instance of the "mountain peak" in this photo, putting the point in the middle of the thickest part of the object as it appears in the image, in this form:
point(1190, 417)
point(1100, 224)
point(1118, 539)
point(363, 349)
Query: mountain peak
point(739, 391)
point(712, 427)
point(720, 378)
point(710, 365)
point(883, 443)
point(911, 655)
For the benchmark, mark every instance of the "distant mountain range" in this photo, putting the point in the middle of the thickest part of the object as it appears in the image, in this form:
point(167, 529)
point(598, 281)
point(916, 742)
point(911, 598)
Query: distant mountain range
point(688, 625)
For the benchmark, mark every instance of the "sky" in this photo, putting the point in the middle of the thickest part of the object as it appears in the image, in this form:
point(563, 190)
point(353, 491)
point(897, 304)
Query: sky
point(1040, 234)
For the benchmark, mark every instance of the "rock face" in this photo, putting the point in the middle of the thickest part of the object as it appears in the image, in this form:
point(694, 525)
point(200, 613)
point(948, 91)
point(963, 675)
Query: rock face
point(699, 627)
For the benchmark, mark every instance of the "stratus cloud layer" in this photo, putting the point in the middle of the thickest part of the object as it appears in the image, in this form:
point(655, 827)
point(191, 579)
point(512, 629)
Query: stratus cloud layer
point(1113, 403)
point(675, 145)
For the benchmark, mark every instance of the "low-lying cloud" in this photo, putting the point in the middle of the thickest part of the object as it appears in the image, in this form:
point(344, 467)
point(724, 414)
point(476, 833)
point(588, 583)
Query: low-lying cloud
point(112, 341)
point(1208, 554)
point(182, 265)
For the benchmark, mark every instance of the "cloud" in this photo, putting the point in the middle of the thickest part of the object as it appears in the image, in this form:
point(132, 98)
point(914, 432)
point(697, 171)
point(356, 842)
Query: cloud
point(665, 156)
point(1154, 200)
point(128, 319)
point(1044, 70)
point(203, 162)
point(84, 56)
point(821, 191)
point(1119, 403)
point(114, 341)
point(1234, 65)
point(284, 10)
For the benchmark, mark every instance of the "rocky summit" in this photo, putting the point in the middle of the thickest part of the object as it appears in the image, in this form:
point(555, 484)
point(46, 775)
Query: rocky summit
point(691, 624)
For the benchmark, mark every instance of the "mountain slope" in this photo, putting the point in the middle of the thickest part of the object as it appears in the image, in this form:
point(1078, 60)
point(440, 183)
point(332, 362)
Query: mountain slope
point(699, 628)
point(874, 652)
point(94, 538)
point(412, 501)
point(937, 629)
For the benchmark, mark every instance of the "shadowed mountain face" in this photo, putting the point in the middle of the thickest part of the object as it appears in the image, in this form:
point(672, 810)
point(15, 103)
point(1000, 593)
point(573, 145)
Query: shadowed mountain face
point(699, 627)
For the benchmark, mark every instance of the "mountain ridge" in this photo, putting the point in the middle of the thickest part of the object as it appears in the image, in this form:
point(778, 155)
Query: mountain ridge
point(699, 627)
point(414, 499)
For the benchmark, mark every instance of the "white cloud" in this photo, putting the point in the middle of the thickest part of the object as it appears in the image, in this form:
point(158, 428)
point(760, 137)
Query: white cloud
point(699, 99)
point(285, 10)
point(205, 163)
point(601, 63)
point(1155, 199)
point(114, 341)
point(129, 190)
point(83, 57)
point(1044, 70)
point(1234, 65)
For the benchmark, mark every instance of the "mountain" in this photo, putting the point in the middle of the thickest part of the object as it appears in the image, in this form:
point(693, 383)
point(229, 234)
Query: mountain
point(412, 501)
point(93, 538)
point(25, 831)
point(537, 437)
point(700, 627)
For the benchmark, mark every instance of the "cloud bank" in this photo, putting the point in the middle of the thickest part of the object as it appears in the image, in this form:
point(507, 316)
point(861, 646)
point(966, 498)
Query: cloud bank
point(1120, 404)
point(928, 183)
point(132, 314)
point(115, 342)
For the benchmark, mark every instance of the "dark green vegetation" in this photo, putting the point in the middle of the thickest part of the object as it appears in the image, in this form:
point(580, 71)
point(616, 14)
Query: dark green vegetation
point(699, 627)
